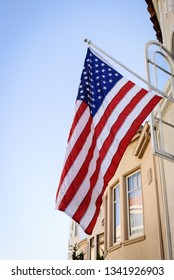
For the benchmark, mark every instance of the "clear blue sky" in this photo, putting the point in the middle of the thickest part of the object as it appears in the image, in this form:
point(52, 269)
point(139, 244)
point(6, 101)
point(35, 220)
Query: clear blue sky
point(41, 59)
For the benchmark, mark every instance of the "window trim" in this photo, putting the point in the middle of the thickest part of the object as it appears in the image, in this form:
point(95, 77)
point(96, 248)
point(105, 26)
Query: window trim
point(135, 235)
point(100, 243)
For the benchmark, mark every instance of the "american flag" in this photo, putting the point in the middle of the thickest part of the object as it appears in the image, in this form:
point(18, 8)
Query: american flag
point(109, 111)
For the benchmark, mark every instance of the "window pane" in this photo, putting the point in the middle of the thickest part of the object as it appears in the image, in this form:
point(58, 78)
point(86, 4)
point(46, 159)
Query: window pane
point(92, 251)
point(100, 249)
point(130, 183)
point(117, 222)
point(134, 179)
point(138, 180)
point(100, 244)
point(116, 215)
point(100, 238)
point(117, 193)
point(135, 206)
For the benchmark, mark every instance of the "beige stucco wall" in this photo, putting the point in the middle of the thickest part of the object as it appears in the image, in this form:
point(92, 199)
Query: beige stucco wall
point(165, 13)
point(168, 168)
point(149, 245)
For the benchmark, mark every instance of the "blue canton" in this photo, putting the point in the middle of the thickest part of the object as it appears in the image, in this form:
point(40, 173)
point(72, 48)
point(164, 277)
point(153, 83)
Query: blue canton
point(97, 79)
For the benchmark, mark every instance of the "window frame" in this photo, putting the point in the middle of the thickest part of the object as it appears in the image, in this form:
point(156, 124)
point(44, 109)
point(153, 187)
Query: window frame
point(114, 202)
point(100, 242)
point(134, 235)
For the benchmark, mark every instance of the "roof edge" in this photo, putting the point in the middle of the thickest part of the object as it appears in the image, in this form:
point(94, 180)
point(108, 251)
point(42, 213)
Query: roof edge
point(154, 20)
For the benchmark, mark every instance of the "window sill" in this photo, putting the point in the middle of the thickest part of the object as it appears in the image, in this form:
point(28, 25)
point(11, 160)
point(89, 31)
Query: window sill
point(134, 240)
point(115, 246)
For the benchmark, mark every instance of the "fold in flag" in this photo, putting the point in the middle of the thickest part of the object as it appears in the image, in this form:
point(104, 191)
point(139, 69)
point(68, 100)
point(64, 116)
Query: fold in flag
point(109, 111)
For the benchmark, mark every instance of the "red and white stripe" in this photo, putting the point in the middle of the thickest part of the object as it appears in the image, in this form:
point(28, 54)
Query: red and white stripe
point(96, 146)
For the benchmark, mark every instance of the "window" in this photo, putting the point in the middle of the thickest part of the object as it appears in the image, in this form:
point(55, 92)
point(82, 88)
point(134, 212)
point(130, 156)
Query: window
point(135, 207)
point(100, 245)
point(116, 214)
point(92, 252)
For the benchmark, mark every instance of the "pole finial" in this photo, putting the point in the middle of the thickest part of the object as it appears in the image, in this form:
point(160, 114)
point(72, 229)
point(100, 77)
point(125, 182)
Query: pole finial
point(86, 40)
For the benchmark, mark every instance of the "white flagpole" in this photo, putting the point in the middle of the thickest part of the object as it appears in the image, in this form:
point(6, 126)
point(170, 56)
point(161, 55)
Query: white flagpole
point(89, 42)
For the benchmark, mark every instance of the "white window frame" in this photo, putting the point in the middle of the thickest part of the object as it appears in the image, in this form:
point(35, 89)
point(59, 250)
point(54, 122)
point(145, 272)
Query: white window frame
point(128, 208)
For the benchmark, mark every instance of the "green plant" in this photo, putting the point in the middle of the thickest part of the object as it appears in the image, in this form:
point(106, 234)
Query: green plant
point(76, 256)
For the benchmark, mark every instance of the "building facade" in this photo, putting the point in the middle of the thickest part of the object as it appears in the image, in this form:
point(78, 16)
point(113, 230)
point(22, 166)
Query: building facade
point(162, 17)
point(133, 226)
point(129, 225)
